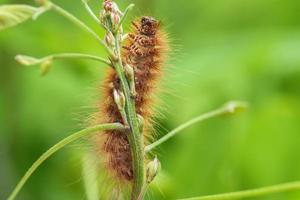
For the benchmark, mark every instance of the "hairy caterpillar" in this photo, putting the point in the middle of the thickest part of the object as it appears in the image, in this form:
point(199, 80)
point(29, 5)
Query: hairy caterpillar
point(145, 51)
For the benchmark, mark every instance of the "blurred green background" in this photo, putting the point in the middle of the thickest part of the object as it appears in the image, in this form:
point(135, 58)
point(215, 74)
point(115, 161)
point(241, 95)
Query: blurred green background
point(222, 50)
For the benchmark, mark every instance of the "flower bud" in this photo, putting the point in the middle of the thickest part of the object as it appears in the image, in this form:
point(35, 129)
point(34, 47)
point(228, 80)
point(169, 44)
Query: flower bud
point(129, 72)
point(105, 18)
point(45, 67)
point(110, 16)
point(119, 99)
point(108, 5)
point(153, 168)
point(45, 64)
point(130, 76)
point(111, 6)
point(110, 39)
point(115, 18)
point(141, 122)
point(102, 16)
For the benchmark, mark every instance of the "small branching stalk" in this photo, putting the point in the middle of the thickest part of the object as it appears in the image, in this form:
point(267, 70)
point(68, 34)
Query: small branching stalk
point(285, 187)
point(46, 62)
point(229, 108)
point(72, 138)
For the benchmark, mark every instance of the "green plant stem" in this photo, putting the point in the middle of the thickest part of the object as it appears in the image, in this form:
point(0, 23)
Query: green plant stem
point(251, 193)
point(80, 24)
point(135, 137)
point(91, 13)
point(129, 8)
point(57, 147)
point(229, 108)
point(76, 56)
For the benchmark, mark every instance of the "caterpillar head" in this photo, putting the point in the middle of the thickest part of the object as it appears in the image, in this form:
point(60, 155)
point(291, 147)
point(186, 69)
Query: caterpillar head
point(148, 26)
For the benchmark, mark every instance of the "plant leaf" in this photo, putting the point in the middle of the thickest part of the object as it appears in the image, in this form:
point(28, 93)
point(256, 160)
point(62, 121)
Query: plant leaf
point(45, 63)
point(11, 15)
point(90, 175)
point(27, 60)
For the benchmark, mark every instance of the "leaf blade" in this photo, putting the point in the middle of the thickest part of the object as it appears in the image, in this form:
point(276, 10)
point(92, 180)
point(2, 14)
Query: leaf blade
point(11, 15)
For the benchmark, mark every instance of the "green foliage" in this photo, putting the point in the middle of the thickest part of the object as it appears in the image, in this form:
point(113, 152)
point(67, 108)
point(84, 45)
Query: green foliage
point(223, 50)
point(11, 15)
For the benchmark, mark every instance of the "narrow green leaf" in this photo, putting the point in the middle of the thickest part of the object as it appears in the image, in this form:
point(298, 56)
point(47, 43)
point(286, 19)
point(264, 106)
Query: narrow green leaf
point(45, 63)
point(90, 174)
point(11, 15)
point(27, 60)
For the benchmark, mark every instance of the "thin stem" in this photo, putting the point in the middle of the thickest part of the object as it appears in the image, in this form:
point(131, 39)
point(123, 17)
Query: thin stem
point(75, 20)
point(251, 193)
point(129, 8)
point(77, 56)
point(91, 13)
point(135, 138)
point(28, 60)
point(80, 24)
point(58, 146)
point(228, 108)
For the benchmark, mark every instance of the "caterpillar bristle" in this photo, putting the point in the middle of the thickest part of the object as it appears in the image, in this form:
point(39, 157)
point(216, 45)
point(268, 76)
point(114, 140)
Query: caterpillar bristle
point(145, 50)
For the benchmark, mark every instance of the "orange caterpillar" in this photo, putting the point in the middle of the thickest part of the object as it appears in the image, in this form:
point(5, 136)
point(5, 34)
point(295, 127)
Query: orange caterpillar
point(145, 51)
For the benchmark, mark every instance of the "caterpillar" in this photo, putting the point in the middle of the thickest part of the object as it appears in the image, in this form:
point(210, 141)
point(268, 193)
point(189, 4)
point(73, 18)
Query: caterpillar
point(145, 50)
